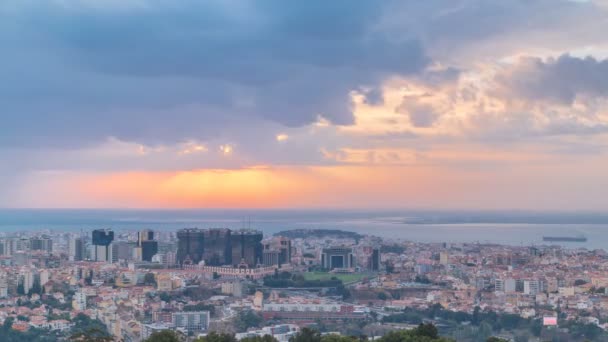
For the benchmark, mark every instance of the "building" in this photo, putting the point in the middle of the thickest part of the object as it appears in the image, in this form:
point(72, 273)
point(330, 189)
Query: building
point(41, 243)
point(45, 276)
point(145, 235)
point(507, 285)
point(149, 329)
point(310, 312)
point(234, 288)
point(191, 321)
point(147, 247)
point(102, 239)
point(219, 247)
point(277, 251)
point(246, 247)
point(271, 257)
point(531, 287)
point(376, 260)
point(216, 247)
point(337, 257)
point(27, 280)
point(444, 258)
point(122, 250)
point(281, 332)
point(190, 246)
point(148, 250)
point(76, 249)
point(164, 282)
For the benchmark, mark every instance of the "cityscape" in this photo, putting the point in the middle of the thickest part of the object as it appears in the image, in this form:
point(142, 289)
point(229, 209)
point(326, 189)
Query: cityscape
point(303, 170)
point(241, 282)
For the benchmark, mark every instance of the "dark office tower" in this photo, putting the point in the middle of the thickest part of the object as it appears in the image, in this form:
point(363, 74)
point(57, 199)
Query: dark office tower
point(216, 247)
point(145, 235)
point(285, 249)
point(247, 247)
point(149, 248)
point(190, 246)
point(146, 244)
point(375, 260)
point(102, 238)
point(43, 243)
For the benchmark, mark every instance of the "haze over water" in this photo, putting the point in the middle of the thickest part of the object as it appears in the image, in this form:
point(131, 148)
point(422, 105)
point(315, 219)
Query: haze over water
point(512, 228)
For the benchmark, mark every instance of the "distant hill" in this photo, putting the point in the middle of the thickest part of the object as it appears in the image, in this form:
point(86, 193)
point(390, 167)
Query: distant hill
point(319, 233)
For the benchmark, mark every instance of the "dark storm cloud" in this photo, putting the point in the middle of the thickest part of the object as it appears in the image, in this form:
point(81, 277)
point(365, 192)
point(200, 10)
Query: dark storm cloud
point(78, 71)
point(559, 80)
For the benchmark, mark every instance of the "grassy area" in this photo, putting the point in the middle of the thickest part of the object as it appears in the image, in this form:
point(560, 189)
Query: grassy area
point(346, 278)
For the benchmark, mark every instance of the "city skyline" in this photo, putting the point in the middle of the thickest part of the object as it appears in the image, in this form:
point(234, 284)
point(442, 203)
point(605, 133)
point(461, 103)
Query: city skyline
point(368, 104)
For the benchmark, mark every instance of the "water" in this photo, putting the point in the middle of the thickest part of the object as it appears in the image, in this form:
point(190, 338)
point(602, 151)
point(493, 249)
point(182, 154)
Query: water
point(512, 228)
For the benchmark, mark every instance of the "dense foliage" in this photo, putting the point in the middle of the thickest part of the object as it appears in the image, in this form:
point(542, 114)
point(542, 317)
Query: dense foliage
point(423, 333)
point(247, 319)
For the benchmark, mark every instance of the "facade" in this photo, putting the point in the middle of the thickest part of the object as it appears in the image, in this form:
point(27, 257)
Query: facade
point(41, 243)
point(102, 239)
point(149, 248)
point(149, 329)
point(375, 260)
point(216, 247)
point(76, 249)
point(271, 257)
point(191, 321)
point(246, 247)
point(233, 272)
point(531, 287)
point(277, 251)
point(219, 247)
point(282, 332)
point(190, 246)
point(312, 312)
point(122, 250)
point(337, 257)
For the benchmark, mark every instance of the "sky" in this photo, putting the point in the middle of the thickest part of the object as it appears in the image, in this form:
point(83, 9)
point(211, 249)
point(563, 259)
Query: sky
point(459, 104)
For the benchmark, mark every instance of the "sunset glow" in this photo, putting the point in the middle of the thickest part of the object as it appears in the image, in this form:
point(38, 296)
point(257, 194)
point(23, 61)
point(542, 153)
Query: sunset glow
point(357, 104)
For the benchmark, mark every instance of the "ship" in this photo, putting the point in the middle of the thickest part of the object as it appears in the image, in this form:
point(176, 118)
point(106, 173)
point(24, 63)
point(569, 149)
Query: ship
point(565, 238)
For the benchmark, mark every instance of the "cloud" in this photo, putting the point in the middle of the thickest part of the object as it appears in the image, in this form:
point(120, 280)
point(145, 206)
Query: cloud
point(135, 62)
point(420, 114)
point(560, 79)
point(282, 137)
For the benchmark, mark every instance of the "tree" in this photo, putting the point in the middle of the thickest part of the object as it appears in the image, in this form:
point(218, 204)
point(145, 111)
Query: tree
point(338, 338)
point(424, 333)
point(89, 330)
point(428, 330)
point(215, 337)
point(8, 324)
point(91, 335)
point(165, 297)
point(247, 319)
point(149, 279)
point(36, 288)
point(20, 289)
point(306, 335)
point(163, 336)
point(496, 339)
point(265, 338)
